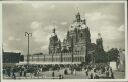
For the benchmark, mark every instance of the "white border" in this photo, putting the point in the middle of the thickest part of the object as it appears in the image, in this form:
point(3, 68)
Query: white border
point(126, 42)
point(0, 39)
point(63, 1)
point(73, 80)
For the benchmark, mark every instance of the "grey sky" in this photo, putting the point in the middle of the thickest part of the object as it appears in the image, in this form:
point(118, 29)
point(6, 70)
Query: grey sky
point(41, 18)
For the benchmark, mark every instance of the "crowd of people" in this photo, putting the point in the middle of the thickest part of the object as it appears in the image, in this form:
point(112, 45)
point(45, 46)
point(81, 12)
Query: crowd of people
point(58, 71)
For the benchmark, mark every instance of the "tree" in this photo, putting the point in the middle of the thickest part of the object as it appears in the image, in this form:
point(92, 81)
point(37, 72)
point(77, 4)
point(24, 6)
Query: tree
point(101, 57)
point(113, 54)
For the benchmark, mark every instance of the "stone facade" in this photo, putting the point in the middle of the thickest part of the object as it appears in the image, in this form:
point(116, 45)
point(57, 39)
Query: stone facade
point(75, 47)
point(57, 57)
point(76, 44)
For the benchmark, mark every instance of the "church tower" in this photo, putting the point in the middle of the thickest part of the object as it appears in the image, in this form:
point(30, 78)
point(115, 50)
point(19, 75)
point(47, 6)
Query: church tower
point(99, 43)
point(100, 55)
point(55, 43)
point(78, 18)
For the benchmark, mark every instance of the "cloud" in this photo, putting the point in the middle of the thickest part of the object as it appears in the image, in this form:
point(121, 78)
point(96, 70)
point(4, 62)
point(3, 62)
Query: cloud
point(42, 33)
point(111, 33)
point(102, 23)
point(50, 27)
point(40, 5)
point(63, 23)
point(98, 16)
point(107, 25)
point(11, 38)
point(38, 35)
point(121, 28)
point(35, 25)
point(6, 48)
point(37, 31)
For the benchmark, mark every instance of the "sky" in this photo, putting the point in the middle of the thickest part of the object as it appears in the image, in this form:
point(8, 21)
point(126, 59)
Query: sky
point(40, 18)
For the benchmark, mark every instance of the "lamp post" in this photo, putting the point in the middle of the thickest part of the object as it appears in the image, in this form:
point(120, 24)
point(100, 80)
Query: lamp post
point(28, 35)
point(72, 48)
point(61, 58)
point(108, 55)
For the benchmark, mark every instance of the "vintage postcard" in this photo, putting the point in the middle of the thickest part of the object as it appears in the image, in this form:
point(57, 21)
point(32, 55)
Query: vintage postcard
point(67, 40)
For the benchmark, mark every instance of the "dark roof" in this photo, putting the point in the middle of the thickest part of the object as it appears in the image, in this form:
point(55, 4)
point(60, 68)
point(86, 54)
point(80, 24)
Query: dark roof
point(10, 53)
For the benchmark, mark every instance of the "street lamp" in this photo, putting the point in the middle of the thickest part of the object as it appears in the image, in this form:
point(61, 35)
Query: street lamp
point(72, 45)
point(28, 35)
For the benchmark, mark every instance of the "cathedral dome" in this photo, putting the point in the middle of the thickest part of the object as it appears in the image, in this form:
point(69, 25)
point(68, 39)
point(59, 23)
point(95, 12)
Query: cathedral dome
point(53, 34)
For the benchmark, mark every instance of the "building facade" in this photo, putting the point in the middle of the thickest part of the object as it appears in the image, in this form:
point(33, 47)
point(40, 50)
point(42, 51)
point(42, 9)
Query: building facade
point(11, 57)
point(75, 47)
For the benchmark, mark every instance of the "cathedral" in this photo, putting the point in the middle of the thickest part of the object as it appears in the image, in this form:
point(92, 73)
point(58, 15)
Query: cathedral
point(76, 47)
point(77, 43)
point(77, 39)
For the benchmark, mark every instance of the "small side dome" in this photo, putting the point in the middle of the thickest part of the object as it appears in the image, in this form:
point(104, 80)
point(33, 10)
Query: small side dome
point(53, 34)
point(71, 27)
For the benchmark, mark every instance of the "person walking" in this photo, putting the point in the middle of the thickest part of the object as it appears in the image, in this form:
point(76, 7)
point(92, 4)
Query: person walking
point(13, 73)
point(53, 74)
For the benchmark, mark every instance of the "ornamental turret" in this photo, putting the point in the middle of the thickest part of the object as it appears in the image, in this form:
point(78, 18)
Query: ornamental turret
point(55, 43)
point(99, 43)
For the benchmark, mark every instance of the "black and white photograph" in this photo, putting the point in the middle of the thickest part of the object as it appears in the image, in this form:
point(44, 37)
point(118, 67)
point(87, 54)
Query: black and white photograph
point(64, 40)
